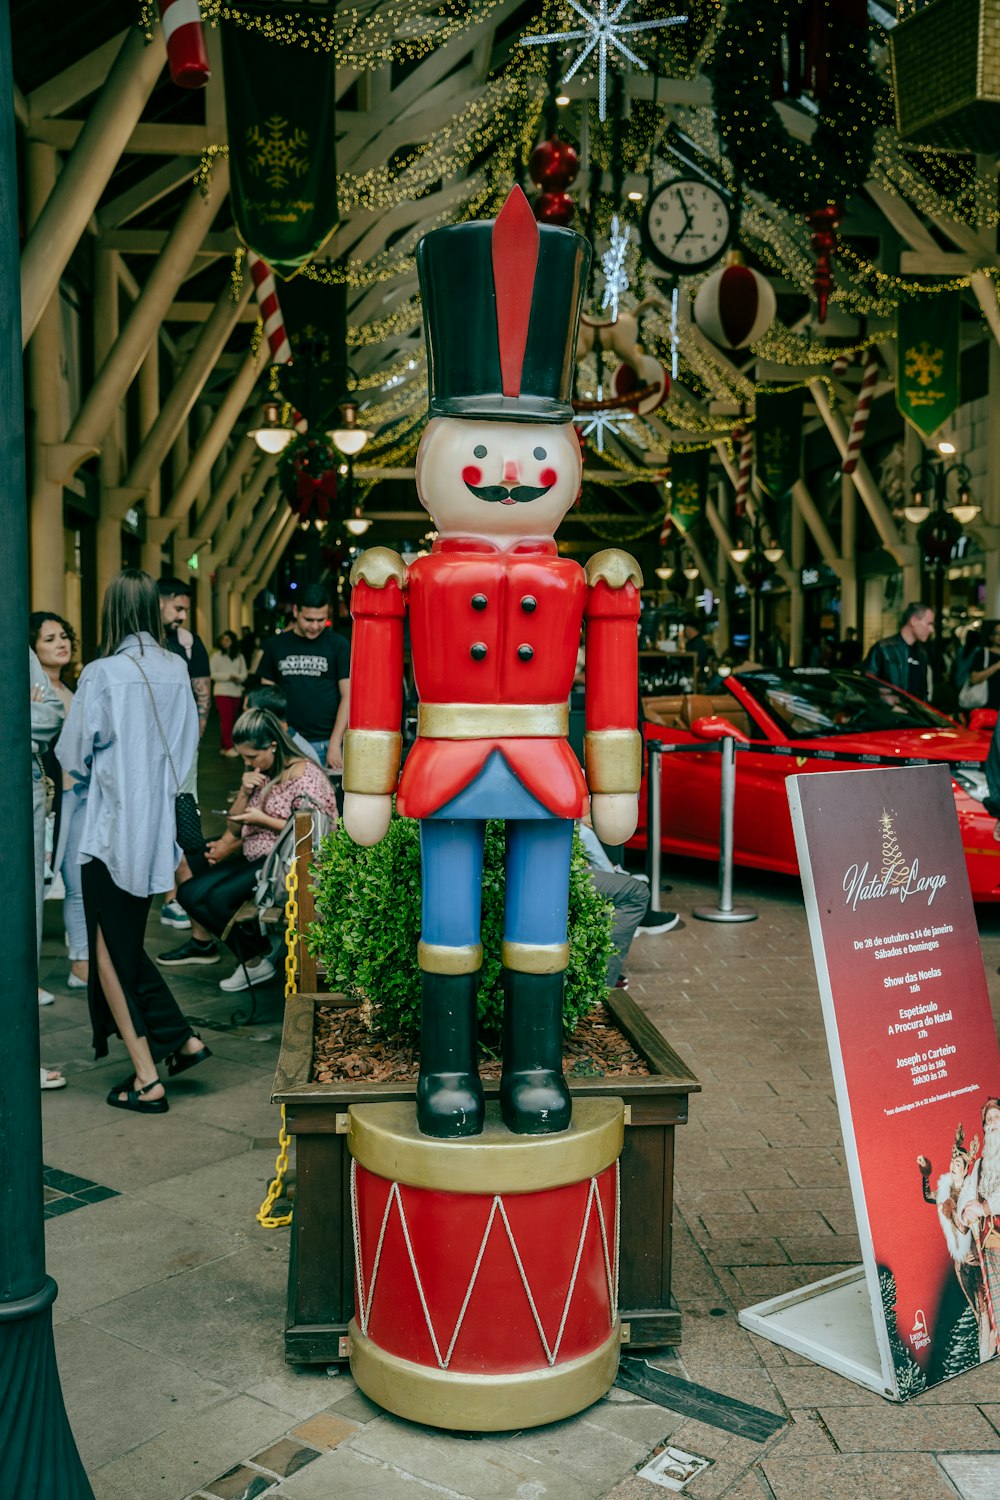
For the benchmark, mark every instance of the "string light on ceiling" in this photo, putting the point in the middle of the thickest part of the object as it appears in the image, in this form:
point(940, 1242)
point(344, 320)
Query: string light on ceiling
point(603, 423)
point(613, 265)
point(602, 30)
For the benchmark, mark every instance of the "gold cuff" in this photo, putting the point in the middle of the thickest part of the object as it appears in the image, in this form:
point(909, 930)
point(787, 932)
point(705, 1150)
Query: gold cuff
point(612, 759)
point(534, 958)
point(371, 761)
point(486, 721)
point(613, 567)
point(377, 566)
point(435, 958)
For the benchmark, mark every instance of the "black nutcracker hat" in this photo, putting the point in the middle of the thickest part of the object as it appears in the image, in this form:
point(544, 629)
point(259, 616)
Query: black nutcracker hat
point(502, 302)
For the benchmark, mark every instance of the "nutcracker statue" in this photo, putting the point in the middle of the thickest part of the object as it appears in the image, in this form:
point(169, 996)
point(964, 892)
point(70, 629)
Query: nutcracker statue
point(495, 618)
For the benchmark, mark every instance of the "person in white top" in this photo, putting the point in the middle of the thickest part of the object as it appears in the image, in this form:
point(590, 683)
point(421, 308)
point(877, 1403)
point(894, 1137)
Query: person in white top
point(130, 737)
point(229, 673)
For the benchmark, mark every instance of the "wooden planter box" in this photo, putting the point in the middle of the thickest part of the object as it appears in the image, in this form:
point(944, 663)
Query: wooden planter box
point(321, 1264)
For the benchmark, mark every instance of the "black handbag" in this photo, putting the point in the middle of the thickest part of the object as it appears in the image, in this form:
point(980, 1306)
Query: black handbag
point(189, 833)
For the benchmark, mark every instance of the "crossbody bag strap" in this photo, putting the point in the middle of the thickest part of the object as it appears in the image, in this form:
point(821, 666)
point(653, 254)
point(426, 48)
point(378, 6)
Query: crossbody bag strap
point(156, 716)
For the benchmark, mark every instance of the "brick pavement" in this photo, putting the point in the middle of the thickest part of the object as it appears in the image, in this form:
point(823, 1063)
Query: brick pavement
point(172, 1300)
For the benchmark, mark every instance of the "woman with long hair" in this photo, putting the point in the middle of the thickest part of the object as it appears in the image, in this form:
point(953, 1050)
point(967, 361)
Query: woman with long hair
point(229, 673)
point(130, 738)
point(53, 641)
point(277, 782)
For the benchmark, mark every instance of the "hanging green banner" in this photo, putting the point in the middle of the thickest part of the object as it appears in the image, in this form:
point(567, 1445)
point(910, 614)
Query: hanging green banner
point(315, 316)
point(927, 359)
point(688, 488)
point(778, 441)
point(280, 103)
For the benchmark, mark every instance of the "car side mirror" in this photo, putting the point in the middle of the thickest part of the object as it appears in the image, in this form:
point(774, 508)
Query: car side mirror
point(716, 727)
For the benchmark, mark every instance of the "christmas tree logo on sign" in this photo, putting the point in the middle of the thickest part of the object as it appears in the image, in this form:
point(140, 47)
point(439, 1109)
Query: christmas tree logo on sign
point(894, 870)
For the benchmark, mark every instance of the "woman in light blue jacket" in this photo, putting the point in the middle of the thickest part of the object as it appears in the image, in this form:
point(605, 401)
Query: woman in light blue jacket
point(131, 736)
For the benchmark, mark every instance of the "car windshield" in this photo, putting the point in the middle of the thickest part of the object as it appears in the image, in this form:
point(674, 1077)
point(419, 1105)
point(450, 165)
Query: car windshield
point(809, 703)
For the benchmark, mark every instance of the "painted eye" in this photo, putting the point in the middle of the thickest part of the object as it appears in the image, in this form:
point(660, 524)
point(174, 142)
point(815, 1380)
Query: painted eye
point(479, 451)
point(540, 453)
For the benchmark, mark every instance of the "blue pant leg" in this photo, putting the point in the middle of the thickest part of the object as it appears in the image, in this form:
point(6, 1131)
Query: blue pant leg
point(451, 854)
point(536, 908)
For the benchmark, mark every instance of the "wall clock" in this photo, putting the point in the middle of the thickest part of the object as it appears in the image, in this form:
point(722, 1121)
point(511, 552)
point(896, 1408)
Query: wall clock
point(687, 226)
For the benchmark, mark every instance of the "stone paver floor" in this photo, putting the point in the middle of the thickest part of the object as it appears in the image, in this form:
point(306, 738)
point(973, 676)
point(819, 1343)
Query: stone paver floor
point(171, 1307)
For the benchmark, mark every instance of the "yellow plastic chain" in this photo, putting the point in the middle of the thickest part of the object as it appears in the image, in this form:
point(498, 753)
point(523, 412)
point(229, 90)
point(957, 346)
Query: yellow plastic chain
point(265, 1218)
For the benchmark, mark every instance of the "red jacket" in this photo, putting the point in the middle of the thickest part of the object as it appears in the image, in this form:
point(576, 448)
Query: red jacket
point(495, 628)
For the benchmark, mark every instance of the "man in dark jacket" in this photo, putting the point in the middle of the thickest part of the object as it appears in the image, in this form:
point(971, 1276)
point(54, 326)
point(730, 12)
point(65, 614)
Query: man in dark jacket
point(901, 659)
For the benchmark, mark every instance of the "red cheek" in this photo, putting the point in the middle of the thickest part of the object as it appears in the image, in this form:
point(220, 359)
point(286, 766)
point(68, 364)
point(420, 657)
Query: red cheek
point(548, 476)
point(472, 475)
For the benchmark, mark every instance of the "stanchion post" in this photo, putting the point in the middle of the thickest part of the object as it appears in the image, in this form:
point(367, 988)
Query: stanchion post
point(654, 820)
point(726, 911)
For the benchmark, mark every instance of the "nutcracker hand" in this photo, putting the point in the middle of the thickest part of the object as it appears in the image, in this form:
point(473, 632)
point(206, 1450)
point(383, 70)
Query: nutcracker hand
point(366, 816)
point(614, 815)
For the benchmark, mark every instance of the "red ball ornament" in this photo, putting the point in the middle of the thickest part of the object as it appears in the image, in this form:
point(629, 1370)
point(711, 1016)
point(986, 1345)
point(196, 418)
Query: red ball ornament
point(736, 305)
point(553, 165)
point(554, 208)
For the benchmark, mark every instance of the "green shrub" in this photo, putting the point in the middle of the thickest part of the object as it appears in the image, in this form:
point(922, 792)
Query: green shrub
point(368, 923)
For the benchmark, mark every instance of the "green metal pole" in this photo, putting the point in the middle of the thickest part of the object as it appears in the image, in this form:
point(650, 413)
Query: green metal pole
point(39, 1454)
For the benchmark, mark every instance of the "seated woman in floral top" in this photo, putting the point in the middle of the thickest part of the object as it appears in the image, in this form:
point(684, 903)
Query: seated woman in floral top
point(277, 783)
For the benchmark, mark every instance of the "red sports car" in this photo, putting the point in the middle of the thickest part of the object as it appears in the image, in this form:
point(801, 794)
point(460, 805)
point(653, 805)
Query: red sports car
point(810, 710)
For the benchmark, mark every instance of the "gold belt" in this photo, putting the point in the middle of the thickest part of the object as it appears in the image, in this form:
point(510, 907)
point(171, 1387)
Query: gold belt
point(486, 721)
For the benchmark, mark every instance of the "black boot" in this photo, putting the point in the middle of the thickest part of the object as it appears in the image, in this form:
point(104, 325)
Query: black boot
point(534, 1098)
point(449, 1094)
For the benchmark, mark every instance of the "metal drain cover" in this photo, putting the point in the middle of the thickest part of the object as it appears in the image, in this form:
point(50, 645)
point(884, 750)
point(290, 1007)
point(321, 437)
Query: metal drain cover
point(671, 1468)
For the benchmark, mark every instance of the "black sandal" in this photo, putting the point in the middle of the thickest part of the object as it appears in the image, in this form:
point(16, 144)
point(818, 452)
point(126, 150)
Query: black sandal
point(179, 1062)
point(133, 1098)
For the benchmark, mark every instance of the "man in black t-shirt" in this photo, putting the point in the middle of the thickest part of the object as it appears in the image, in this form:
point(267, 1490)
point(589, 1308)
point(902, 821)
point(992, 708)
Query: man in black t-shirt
point(313, 666)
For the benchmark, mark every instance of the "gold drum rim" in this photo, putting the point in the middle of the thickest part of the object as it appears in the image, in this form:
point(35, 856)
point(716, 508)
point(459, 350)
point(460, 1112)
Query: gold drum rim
point(384, 1139)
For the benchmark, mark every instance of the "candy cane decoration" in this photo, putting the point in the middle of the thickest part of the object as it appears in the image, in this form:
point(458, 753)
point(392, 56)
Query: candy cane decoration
point(862, 412)
point(666, 529)
point(743, 440)
point(186, 52)
point(266, 292)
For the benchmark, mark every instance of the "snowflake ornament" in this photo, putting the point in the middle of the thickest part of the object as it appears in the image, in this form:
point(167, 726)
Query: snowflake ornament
point(613, 264)
point(601, 423)
point(277, 151)
point(602, 30)
point(924, 363)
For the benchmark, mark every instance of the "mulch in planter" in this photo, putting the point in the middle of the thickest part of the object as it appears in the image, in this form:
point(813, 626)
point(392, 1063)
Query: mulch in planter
point(344, 1050)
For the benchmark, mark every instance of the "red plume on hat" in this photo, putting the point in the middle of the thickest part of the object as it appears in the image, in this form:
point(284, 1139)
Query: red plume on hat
point(515, 261)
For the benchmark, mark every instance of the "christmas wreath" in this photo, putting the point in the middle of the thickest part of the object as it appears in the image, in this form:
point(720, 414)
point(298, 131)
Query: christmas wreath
point(307, 469)
point(798, 176)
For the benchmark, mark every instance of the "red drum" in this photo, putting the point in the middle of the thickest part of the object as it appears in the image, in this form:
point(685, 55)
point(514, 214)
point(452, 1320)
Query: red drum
point(486, 1270)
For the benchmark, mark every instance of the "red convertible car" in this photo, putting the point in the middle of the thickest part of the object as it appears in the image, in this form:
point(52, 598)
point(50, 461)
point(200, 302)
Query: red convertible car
point(808, 709)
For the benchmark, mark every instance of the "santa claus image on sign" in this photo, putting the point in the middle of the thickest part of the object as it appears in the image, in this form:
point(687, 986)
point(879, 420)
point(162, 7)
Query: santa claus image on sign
point(495, 618)
point(968, 1204)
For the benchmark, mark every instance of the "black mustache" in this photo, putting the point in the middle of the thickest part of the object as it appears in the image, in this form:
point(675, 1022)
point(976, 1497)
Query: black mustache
point(520, 494)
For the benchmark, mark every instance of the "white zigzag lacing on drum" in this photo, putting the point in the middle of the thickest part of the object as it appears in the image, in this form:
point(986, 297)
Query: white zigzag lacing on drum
point(497, 1207)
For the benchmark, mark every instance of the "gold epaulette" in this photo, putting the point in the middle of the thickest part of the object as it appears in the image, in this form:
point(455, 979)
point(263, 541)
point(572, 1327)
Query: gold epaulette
point(377, 566)
point(613, 567)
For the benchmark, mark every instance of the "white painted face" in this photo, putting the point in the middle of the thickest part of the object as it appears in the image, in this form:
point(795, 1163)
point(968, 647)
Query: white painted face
point(502, 481)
